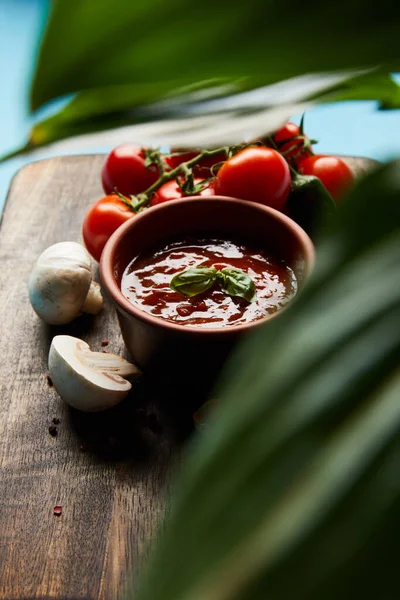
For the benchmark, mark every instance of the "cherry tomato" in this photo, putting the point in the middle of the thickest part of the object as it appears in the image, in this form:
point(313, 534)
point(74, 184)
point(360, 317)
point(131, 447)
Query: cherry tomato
point(101, 220)
point(124, 170)
point(257, 174)
point(172, 191)
point(287, 132)
point(334, 173)
point(203, 169)
point(178, 159)
point(293, 150)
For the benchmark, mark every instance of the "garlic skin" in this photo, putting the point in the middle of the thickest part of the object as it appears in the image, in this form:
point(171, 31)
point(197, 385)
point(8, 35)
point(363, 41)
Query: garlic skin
point(61, 286)
point(88, 381)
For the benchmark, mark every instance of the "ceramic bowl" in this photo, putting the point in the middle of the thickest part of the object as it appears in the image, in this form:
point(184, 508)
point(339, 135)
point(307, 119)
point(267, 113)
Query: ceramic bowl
point(180, 348)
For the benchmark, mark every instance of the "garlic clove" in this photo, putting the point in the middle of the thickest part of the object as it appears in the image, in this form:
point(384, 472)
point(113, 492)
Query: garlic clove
point(88, 381)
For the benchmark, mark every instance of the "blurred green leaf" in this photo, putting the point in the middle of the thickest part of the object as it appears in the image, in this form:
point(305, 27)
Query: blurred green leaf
point(310, 204)
point(376, 86)
point(113, 107)
point(128, 104)
point(293, 490)
point(97, 43)
point(134, 63)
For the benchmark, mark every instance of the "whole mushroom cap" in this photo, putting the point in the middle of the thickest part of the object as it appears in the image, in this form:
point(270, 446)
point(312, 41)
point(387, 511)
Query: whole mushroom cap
point(59, 282)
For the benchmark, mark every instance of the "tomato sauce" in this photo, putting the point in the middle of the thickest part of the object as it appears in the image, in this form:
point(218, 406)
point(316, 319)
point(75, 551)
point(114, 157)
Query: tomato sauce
point(146, 280)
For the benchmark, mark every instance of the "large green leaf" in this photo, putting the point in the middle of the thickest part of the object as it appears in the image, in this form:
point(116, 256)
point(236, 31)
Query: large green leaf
point(251, 112)
point(97, 43)
point(377, 86)
point(132, 63)
point(293, 491)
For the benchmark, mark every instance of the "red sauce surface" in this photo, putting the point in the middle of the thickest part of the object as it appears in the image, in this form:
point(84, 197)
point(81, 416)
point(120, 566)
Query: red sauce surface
point(146, 280)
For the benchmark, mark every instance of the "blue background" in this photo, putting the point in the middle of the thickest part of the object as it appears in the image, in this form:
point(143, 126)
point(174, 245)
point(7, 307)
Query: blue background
point(355, 128)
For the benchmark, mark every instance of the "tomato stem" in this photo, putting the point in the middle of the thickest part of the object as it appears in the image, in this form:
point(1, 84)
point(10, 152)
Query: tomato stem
point(272, 142)
point(165, 176)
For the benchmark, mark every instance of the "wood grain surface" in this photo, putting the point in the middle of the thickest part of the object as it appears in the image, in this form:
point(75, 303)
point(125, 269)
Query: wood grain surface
point(110, 471)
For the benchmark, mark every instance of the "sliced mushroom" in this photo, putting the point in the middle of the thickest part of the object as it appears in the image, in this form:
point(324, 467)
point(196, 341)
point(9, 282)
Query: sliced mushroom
point(61, 286)
point(89, 381)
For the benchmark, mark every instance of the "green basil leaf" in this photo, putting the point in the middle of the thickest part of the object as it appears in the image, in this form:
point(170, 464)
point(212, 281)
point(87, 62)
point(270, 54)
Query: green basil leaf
point(236, 282)
point(193, 281)
point(310, 204)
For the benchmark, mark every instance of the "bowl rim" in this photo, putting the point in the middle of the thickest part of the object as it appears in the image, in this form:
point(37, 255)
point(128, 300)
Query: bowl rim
point(108, 255)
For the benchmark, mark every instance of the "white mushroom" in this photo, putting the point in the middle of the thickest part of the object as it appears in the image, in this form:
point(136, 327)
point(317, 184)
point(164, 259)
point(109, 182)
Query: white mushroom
point(61, 286)
point(88, 381)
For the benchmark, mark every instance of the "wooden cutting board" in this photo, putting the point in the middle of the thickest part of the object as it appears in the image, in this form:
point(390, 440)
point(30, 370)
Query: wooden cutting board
point(109, 472)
